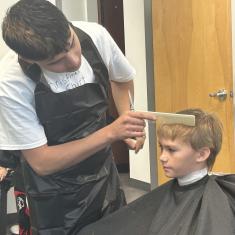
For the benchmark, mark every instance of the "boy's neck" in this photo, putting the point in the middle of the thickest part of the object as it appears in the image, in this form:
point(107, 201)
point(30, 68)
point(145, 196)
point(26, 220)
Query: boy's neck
point(192, 177)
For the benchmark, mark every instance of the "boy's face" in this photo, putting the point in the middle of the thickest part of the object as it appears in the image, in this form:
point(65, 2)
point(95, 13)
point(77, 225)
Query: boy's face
point(178, 158)
point(67, 61)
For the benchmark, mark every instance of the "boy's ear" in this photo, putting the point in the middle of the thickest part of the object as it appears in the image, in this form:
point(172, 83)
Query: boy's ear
point(203, 154)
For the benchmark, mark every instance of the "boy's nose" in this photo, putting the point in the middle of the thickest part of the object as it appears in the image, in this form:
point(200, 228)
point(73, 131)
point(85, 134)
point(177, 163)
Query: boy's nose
point(163, 156)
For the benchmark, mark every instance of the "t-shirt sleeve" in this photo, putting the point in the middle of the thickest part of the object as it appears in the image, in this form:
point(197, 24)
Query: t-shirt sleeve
point(19, 126)
point(118, 66)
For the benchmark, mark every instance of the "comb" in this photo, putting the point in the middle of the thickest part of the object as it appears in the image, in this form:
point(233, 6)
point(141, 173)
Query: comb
point(171, 118)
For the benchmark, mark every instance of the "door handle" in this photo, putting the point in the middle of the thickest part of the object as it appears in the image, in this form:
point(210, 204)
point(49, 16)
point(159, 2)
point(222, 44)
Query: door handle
point(221, 94)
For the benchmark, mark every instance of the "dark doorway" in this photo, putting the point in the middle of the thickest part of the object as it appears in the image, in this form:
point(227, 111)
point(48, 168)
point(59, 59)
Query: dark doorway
point(110, 15)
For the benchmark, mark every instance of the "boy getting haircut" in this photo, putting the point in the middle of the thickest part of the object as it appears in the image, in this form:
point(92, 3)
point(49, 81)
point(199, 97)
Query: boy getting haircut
point(193, 202)
point(207, 132)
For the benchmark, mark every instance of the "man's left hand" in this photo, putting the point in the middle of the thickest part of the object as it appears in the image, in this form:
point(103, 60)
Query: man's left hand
point(135, 144)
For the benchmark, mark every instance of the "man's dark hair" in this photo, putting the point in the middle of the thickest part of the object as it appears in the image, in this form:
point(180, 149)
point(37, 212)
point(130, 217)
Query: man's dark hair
point(35, 29)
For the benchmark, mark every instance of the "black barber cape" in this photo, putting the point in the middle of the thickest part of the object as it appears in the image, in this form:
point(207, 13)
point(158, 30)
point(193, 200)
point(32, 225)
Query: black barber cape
point(206, 207)
point(63, 202)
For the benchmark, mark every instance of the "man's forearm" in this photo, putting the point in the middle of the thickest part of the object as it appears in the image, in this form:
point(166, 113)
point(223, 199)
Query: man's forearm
point(49, 159)
point(120, 95)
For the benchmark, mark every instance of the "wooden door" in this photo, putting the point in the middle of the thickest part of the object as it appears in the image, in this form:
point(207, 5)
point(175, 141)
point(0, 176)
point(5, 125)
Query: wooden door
point(193, 58)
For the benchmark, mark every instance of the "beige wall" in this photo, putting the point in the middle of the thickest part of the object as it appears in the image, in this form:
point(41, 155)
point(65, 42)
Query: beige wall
point(74, 10)
point(135, 52)
point(80, 10)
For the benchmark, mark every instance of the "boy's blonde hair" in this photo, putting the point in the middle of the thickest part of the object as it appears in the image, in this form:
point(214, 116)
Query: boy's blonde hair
point(207, 132)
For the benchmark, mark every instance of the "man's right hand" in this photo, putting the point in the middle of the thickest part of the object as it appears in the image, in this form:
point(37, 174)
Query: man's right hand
point(49, 159)
point(129, 125)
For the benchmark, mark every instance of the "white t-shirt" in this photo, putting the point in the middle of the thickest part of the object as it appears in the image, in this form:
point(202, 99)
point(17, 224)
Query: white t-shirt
point(19, 125)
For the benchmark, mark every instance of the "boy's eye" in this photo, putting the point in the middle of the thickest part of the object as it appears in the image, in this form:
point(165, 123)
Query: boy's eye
point(166, 148)
point(171, 150)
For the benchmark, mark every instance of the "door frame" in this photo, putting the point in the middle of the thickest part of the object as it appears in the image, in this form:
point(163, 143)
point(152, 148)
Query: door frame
point(233, 58)
point(150, 92)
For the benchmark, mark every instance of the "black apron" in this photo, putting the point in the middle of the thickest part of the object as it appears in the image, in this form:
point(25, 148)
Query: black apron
point(63, 202)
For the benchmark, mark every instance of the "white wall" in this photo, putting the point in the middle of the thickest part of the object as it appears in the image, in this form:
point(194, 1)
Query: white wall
point(85, 10)
point(135, 52)
point(4, 5)
point(74, 10)
point(92, 11)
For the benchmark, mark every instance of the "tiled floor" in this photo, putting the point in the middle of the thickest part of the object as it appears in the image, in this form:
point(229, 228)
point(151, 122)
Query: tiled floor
point(131, 192)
